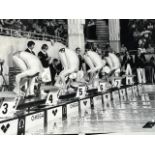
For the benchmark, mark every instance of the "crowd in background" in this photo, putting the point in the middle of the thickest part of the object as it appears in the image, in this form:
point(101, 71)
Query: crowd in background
point(141, 67)
point(142, 31)
point(56, 27)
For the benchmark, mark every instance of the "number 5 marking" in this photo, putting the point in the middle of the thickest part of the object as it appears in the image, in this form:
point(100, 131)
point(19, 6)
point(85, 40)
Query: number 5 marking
point(80, 91)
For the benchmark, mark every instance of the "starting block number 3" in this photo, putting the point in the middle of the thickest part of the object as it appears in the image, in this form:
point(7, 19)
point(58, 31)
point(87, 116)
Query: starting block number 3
point(4, 108)
point(7, 106)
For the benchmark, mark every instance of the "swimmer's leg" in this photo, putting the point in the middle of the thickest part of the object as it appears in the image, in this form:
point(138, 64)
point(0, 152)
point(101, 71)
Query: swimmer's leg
point(63, 75)
point(58, 82)
point(21, 64)
point(31, 86)
point(22, 75)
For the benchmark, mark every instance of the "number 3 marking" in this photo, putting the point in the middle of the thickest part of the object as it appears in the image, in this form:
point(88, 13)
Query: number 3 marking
point(5, 105)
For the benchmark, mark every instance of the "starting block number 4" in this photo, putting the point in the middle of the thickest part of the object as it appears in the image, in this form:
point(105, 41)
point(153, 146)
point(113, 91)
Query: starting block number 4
point(51, 98)
point(81, 92)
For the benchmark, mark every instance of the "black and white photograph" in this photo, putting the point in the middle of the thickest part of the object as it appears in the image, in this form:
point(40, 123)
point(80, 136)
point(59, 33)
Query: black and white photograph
point(77, 76)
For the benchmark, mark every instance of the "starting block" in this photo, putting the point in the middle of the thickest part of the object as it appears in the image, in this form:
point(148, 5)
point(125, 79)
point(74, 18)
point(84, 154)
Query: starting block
point(103, 86)
point(85, 106)
point(145, 99)
point(52, 97)
point(115, 96)
point(98, 101)
point(129, 80)
point(107, 100)
point(116, 81)
point(81, 92)
point(9, 103)
point(135, 90)
point(129, 93)
point(122, 92)
point(140, 89)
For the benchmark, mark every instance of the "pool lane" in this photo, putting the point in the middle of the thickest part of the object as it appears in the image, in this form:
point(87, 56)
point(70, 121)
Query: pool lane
point(117, 117)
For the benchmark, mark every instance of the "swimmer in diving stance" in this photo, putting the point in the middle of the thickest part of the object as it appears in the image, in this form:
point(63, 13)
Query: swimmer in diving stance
point(95, 63)
point(113, 62)
point(30, 65)
point(70, 63)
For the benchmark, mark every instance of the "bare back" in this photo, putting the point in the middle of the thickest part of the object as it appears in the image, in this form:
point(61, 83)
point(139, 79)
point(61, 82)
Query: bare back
point(73, 60)
point(95, 58)
point(31, 61)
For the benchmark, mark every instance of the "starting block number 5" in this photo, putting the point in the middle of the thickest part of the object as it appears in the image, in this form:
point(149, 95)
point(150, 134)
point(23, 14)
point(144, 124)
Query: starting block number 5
point(81, 92)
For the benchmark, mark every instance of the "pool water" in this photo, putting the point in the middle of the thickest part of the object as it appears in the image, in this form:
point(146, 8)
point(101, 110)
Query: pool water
point(125, 117)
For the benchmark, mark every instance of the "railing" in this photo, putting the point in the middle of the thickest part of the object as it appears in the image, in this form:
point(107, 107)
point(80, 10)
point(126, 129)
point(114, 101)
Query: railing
point(31, 35)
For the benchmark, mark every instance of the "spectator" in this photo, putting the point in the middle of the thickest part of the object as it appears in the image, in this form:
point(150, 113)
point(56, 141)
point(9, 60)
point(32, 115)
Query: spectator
point(9, 23)
point(57, 69)
point(57, 66)
point(108, 48)
point(43, 56)
point(46, 61)
point(149, 69)
point(41, 26)
point(123, 49)
point(17, 24)
point(91, 29)
point(140, 63)
point(30, 47)
point(150, 49)
point(142, 50)
point(127, 63)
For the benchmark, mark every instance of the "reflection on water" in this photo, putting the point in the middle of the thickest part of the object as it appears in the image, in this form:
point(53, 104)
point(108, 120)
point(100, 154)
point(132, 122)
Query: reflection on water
point(120, 116)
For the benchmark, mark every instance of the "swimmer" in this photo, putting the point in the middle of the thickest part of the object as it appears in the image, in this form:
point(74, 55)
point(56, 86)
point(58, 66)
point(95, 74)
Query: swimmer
point(30, 65)
point(113, 62)
point(70, 63)
point(94, 61)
